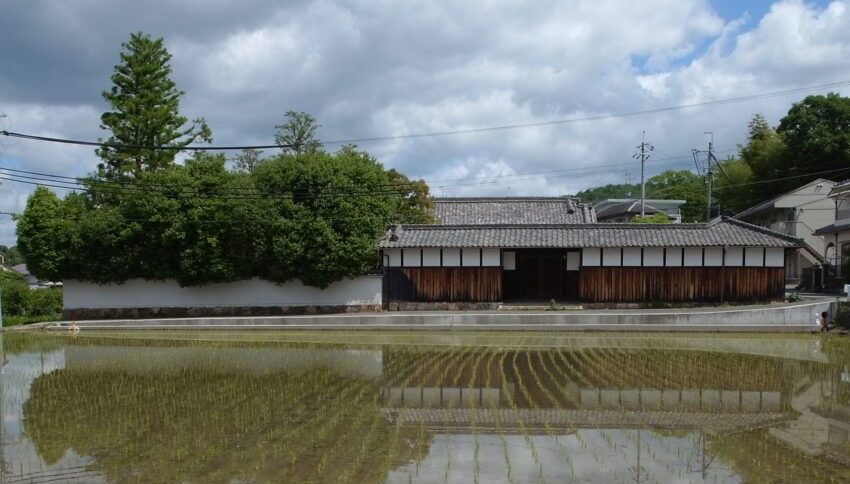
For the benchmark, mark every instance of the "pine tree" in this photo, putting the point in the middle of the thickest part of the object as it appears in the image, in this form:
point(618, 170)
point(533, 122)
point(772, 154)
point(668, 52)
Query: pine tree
point(145, 103)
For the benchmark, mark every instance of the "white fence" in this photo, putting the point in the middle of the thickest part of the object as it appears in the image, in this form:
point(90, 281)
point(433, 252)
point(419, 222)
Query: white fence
point(138, 293)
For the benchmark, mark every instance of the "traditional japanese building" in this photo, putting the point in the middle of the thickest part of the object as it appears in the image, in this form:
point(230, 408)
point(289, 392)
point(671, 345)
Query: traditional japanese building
point(495, 250)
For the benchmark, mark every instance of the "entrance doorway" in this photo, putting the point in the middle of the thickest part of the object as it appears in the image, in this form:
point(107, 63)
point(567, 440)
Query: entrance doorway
point(543, 275)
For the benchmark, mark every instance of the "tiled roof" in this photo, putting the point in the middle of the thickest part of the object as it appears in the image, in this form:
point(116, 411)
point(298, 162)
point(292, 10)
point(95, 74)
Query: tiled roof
point(628, 207)
point(719, 232)
point(512, 210)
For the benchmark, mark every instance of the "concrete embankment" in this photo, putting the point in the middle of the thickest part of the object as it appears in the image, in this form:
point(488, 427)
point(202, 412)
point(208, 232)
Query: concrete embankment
point(794, 317)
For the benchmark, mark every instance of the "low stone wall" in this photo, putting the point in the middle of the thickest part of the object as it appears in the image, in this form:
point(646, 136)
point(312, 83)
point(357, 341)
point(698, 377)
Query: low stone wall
point(443, 306)
point(76, 314)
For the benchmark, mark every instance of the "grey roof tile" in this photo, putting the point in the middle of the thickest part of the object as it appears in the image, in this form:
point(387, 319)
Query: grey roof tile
point(512, 210)
point(719, 232)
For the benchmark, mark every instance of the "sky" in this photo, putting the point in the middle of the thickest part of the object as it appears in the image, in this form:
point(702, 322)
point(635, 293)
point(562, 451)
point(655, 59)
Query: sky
point(380, 68)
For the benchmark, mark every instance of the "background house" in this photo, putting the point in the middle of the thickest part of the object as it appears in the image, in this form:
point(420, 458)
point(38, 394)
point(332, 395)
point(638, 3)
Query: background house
point(798, 213)
point(836, 235)
point(623, 210)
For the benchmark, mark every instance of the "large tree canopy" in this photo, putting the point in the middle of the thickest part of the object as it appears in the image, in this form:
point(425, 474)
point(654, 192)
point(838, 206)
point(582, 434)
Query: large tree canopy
point(313, 216)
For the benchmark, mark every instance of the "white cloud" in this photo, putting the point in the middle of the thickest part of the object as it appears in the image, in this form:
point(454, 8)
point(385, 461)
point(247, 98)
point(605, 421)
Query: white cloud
point(375, 68)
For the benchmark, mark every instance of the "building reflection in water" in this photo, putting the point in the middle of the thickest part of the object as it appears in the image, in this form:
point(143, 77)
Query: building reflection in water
point(425, 414)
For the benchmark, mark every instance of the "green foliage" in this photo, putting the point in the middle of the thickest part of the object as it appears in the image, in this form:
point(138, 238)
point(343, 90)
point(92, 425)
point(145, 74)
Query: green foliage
point(298, 134)
point(597, 194)
point(22, 304)
point(313, 216)
point(145, 103)
point(11, 255)
point(731, 196)
point(247, 160)
point(680, 185)
point(669, 185)
point(415, 203)
point(656, 218)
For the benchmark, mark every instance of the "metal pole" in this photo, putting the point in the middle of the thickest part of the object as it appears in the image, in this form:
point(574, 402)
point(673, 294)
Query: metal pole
point(642, 181)
point(709, 175)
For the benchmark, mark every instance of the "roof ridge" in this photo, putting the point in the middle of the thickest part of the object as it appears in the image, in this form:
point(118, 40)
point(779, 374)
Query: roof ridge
point(626, 226)
point(757, 228)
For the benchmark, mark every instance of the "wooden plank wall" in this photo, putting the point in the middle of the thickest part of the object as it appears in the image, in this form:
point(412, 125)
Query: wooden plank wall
point(679, 284)
point(443, 284)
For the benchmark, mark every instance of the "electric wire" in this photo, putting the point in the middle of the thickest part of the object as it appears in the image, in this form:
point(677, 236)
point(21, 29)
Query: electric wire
point(716, 102)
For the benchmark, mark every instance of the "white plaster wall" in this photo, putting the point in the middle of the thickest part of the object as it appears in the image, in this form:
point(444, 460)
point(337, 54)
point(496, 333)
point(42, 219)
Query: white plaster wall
point(653, 256)
point(471, 257)
point(693, 256)
point(393, 257)
point(451, 257)
point(573, 261)
point(509, 261)
point(631, 256)
point(713, 256)
point(611, 256)
point(490, 257)
point(734, 257)
point(412, 258)
point(775, 257)
point(590, 257)
point(431, 257)
point(138, 293)
point(754, 256)
point(674, 256)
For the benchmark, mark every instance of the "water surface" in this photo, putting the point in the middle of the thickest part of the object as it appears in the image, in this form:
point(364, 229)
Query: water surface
point(424, 407)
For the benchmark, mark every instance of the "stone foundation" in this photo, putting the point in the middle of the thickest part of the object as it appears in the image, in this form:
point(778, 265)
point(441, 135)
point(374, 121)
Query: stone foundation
point(442, 306)
point(79, 314)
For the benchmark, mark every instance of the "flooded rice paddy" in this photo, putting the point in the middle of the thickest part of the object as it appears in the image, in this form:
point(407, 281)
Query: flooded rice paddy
point(423, 407)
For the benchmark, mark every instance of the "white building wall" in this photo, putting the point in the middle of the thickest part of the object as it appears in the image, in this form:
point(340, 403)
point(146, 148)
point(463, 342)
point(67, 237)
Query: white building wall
point(138, 293)
point(611, 256)
point(431, 257)
point(412, 258)
point(631, 256)
point(490, 257)
point(451, 257)
point(471, 257)
point(734, 257)
point(693, 256)
point(653, 256)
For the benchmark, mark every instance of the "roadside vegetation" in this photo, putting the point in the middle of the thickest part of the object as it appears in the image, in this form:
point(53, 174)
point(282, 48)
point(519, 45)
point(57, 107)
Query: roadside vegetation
point(22, 305)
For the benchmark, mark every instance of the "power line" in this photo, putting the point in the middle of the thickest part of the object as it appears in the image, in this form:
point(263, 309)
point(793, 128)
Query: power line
point(717, 102)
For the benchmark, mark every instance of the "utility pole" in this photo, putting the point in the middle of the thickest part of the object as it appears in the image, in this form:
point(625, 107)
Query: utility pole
point(709, 173)
point(711, 164)
point(643, 153)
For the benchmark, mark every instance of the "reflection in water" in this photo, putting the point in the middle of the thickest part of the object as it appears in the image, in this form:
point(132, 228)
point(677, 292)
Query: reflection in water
point(167, 409)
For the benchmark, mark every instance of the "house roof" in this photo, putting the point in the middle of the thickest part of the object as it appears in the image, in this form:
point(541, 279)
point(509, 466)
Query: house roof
point(626, 207)
point(512, 210)
point(769, 204)
point(21, 269)
point(831, 229)
point(719, 232)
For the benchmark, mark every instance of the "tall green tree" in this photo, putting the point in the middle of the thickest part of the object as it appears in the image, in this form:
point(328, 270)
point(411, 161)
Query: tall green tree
point(816, 133)
point(597, 194)
point(298, 133)
point(144, 112)
point(733, 187)
point(766, 157)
